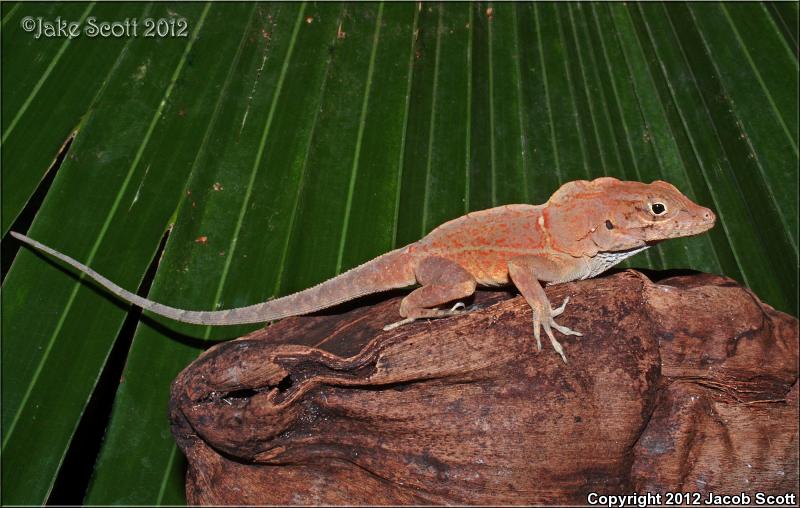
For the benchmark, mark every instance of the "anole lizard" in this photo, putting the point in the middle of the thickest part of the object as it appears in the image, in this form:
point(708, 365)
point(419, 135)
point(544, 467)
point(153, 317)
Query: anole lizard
point(585, 228)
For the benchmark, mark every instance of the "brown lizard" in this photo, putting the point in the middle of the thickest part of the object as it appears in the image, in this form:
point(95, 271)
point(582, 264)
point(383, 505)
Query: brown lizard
point(585, 228)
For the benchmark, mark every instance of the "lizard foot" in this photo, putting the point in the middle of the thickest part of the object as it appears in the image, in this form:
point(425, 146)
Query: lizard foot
point(549, 325)
point(458, 308)
point(398, 324)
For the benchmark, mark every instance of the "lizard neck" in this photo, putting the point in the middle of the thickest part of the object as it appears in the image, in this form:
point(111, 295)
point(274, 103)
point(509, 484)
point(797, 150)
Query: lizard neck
point(602, 261)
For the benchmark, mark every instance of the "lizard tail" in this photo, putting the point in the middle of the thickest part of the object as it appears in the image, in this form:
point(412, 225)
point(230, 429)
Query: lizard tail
point(389, 271)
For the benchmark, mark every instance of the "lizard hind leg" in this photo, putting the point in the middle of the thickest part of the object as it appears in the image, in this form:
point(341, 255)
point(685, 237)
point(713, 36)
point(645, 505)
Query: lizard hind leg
point(442, 281)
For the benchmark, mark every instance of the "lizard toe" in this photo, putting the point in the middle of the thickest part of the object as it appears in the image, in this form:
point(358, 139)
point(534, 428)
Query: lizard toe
point(458, 307)
point(537, 333)
point(564, 329)
point(398, 324)
point(556, 345)
point(559, 310)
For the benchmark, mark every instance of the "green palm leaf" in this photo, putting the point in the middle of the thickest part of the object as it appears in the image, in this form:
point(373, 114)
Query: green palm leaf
point(279, 144)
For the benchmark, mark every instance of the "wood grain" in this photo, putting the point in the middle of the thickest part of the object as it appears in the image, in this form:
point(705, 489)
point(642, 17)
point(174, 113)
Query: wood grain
point(689, 383)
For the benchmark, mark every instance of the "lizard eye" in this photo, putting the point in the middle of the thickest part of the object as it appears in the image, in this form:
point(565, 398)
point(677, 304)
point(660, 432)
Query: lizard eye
point(658, 208)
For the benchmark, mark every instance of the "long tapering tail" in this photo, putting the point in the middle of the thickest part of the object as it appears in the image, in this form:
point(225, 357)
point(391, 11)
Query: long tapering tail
point(389, 271)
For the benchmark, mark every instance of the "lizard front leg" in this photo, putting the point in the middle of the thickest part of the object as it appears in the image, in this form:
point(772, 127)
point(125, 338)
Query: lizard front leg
point(442, 281)
point(525, 273)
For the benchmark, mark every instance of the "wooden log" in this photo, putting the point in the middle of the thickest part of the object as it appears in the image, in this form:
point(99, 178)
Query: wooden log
point(686, 384)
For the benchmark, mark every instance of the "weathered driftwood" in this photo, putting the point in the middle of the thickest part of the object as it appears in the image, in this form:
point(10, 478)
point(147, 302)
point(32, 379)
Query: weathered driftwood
point(685, 385)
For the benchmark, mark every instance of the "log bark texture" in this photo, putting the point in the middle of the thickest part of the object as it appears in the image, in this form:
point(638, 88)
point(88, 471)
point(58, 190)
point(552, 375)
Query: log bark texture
point(688, 384)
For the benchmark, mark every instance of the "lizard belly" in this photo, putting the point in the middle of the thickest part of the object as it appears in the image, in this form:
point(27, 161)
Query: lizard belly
point(489, 268)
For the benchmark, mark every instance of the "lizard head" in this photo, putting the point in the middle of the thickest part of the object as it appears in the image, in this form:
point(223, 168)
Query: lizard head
point(610, 215)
